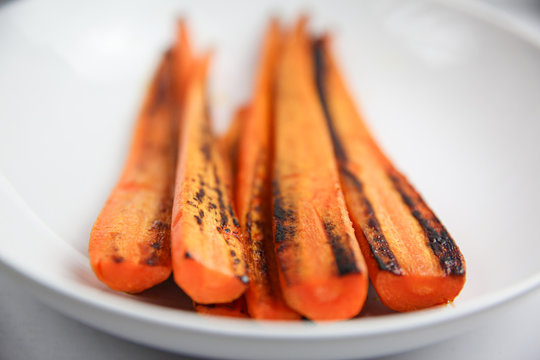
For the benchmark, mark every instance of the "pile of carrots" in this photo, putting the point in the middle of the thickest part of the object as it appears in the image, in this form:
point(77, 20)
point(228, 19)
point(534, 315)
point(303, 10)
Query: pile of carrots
point(285, 215)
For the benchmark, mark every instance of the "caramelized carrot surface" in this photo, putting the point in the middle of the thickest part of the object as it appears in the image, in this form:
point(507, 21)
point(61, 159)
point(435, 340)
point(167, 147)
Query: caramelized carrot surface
point(129, 244)
point(322, 272)
point(413, 261)
point(207, 251)
point(264, 298)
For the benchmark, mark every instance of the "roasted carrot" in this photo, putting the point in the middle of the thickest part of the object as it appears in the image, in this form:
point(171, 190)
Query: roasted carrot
point(129, 244)
point(207, 250)
point(236, 308)
point(413, 261)
point(322, 272)
point(253, 191)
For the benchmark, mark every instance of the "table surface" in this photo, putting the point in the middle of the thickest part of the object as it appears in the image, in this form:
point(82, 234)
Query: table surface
point(31, 330)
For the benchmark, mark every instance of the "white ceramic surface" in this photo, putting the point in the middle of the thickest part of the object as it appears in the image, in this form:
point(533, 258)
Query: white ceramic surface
point(451, 92)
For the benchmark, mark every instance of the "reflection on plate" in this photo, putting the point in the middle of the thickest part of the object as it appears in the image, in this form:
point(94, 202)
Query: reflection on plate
point(438, 86)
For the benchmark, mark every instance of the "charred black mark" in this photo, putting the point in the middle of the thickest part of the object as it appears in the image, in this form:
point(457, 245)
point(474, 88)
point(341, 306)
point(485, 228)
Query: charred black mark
point(187, 255)
point(153, 260)
point(320, 79)
point(211, 206)
point(161, 237)
point(233, 217)
point(159, 225)
point(343, 254)
point(284, 218)
point(199, 220)
point(118, 259)
point(440, 241)
point(372, 229)
point(199, 195)
point(201, 213)
point(222, 208)
point(284, 227)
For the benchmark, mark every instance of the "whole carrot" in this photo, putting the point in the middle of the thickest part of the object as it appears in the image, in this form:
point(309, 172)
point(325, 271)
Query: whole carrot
point(322, 272)
point(207, 250)
point(413, 261)
point(264, 297)
point(129, 244)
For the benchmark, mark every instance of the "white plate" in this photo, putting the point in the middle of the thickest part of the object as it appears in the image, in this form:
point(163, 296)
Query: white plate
point(451, 92)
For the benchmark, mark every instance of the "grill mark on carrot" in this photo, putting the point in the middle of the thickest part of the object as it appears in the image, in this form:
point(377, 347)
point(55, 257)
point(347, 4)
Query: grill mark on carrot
point(159, 225)
point(117, 259)
point(284, 227)
point(199, 195)
point(160, 238)
point(371, 227)
point(320, 80)
point(439, 240)
point(285, 218)
point(161, 233)
point(344, 257)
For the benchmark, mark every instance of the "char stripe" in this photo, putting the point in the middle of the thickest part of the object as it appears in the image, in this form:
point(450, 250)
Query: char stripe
point(344, 256)
point(440, 241)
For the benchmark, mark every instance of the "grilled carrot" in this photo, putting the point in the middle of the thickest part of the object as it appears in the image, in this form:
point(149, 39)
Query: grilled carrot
point(207, 251)
point(322, 272)
point(236, 308)
point(413, 262)
point(263, 296)
point(129, 244)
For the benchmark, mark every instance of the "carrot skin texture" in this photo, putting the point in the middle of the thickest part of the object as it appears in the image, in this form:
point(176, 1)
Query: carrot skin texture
point(129, 245)
point(207, 250)
point(253, 191)
point(413, 262)
point(322, 272)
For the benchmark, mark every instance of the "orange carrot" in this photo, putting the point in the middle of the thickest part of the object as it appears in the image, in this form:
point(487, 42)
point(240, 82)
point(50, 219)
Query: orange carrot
point(263, 296)
point(322, 272)
point(129, 244)
point(207, 251)
point(413, 262)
